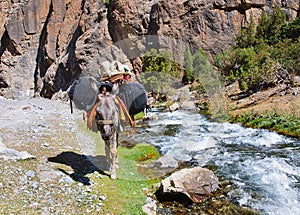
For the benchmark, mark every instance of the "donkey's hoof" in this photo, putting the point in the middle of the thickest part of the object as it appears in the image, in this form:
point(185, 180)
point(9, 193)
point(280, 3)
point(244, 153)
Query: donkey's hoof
point(113, 176)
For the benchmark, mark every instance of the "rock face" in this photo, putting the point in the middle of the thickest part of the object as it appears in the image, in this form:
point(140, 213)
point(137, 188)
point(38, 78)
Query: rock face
point(188, 186)
point(46, 44)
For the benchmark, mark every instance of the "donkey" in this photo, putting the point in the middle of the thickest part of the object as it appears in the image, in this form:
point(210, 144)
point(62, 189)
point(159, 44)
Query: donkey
point(108, 123)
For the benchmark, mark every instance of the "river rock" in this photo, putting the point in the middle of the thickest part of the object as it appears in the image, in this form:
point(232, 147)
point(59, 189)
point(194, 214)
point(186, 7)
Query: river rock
point(150, 116)
point(174, 107)
point(188, 186)
point(30, 174)
point(166, 161)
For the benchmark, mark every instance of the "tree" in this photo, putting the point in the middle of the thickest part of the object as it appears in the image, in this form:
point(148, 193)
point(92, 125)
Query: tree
point(188, 75)
point(291, 30)
point(246, 36)
point(269, 27)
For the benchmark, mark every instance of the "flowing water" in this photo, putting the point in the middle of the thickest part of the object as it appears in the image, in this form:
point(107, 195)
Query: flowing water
point(263, 166)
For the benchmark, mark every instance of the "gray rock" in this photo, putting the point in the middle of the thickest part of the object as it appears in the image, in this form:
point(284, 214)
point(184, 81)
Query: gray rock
point(174, 107)
point(34, 185)
point(295, 92)
point(296, 81)
point(66, 180)
point(166, 162)
point(150, 207)
point(150, 116)
point(30, 174)
point(188, 186)
point(11, 154)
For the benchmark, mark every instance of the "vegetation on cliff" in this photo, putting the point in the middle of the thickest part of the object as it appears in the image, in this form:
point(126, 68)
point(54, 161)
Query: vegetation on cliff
point(263, 55)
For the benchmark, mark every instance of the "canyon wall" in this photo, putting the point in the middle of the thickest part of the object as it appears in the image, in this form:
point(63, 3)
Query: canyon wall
point(46, 44)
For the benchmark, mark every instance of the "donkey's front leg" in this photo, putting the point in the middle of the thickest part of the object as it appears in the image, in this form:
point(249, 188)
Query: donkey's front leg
point(114, 156)
point(107, 155)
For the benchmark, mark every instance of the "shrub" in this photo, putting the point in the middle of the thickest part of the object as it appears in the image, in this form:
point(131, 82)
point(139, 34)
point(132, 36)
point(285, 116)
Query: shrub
point(159, 71)
point(260, 51)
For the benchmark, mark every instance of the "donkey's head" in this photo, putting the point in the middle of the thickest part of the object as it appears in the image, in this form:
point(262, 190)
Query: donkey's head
point(106, 116)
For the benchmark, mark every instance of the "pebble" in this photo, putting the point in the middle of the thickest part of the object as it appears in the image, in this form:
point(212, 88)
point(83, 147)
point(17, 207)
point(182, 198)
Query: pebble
point(34, 185)
point(295, 92)
point(66, 180)
point(102, 198)
point(30, 174)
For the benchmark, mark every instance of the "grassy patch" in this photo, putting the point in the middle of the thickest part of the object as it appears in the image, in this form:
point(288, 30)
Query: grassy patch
point(284, 124)
point(140, 152)
point(126, 194)
point(139, 116)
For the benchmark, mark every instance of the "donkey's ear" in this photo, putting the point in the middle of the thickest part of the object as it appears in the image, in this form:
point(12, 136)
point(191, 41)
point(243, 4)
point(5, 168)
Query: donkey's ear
point(115, 88)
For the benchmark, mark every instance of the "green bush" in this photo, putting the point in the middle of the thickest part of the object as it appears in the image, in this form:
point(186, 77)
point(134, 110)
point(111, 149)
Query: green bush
point(159, 72)
point(260, 51)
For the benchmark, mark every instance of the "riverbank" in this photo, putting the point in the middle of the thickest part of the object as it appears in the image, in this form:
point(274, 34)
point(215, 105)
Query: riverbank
point(276, 109)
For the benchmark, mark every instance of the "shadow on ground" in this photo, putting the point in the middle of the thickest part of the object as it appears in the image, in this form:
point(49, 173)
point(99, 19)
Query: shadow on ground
point(81, 165)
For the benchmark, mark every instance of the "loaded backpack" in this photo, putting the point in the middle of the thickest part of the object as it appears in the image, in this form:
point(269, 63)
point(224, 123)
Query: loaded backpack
point(134, 96)
point(83, 93)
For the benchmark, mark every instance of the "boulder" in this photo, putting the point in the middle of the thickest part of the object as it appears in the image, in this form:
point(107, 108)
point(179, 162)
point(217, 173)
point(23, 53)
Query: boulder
point(188, 186)
point(174, 107)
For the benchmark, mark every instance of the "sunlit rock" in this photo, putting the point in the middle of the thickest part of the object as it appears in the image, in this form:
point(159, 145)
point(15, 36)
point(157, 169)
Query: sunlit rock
point(188, 186)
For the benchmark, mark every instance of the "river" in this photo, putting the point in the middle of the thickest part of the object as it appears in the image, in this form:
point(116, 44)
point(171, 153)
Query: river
point(263, 166)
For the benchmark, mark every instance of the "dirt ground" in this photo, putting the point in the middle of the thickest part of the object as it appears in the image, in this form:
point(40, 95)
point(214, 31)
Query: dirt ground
point(45, 160)
point(276, 99)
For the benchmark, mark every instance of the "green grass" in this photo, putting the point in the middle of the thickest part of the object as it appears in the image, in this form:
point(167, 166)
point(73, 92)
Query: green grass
point(139, 116)
point(140, 152)
point(126, 194)
point(284, 124)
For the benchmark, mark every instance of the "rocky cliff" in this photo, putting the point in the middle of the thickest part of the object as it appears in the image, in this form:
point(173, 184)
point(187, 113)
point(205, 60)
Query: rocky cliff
point(46, 44)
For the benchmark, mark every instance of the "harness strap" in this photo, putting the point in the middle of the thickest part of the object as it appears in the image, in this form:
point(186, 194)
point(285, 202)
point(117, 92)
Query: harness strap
point(104, 122)
point(91, 116)
point(124, 109)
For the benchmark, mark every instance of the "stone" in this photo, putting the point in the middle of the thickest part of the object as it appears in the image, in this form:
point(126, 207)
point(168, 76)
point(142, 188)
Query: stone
point(233, 90)
point(166, 161)
point(66, 180)
point(296, 81)
point(150, 116)
point(30, 174)
point(54, 27)
point(35, 13)
point(5, 6)
point(150, 208)
point(295, 92)
point(174, 107)
point(14, 25)
point(188, 186)
point(11, 154)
